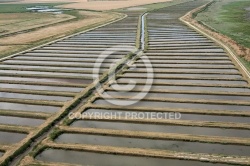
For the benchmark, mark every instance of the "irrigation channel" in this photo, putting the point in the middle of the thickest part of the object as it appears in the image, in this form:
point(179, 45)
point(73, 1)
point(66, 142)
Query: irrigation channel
point(192, 76)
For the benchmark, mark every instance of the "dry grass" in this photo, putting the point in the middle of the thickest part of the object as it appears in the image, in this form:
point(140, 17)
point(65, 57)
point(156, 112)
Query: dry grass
point(229, 125)
point(19, 42)
point(166, 109)
point(15, 22)
point(156, 135)
point(5, 48)
point(25, 114)
point(97, 5)
point(27, 38)
point(38, 92)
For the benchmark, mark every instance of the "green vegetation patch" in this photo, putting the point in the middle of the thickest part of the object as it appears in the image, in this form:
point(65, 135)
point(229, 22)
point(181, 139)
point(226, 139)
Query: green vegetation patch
point(229, 17)
point(246, 63)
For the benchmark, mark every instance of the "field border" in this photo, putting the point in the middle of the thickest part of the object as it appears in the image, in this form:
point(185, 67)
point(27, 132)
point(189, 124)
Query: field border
point(107, 22)
point(227, 48)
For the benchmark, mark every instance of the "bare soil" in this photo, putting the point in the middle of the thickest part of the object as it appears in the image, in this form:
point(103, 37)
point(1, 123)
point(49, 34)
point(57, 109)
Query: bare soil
point(98, 5)
point(26, 38)
point(15, 22)
point(16, 42)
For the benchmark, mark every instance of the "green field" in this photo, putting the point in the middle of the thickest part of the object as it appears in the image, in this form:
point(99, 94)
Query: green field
point(246, 63)
point(229, 17)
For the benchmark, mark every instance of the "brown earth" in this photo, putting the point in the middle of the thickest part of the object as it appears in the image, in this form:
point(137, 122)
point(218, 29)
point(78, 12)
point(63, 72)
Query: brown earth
point(15, 22)
point(97, 4)
point(17, 42)
point(4, 48)
point(26, 38)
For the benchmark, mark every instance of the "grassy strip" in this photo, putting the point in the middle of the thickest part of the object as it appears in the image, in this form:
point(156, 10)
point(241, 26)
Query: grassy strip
point(25, 114)
point(38, 92)
point(180, 62)
point(194, 14)
point(176, 123)
point(38, 149)
point(146, 34)
point(53, 65)
point(4, 147)
point(18, 129)
point(46, 76)
point(155, 135)
point(189, 84)
point(72, 85)
point(55, 60)
point(185, 92)
point(182, 78)
point(48, 70)
point(33, 102)
point(41, 163)
point(56, 132)
point(138, 36)
point(245, 63)
point(193, 67)
point(180, 110)
point(194, 101)
point(181, 72)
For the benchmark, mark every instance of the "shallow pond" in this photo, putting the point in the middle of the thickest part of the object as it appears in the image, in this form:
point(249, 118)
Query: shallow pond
point(20, 121)
point(28, 107)
point(194, 147)
point(166, 128)
point(33, 97)
point(38, 87)
point(165, 104)
point(100, 159)
point(10, 137)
